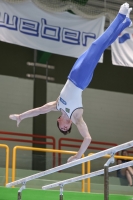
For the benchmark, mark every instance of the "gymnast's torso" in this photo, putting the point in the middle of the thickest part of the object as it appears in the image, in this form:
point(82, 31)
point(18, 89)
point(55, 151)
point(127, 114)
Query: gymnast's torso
point(70, 99)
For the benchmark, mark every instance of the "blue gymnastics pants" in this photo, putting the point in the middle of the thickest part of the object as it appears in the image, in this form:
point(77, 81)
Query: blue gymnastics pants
point(82, 72)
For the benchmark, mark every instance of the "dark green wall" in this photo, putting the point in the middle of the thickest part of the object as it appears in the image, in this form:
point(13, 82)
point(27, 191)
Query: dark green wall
point(13, 60)
point(106, 76)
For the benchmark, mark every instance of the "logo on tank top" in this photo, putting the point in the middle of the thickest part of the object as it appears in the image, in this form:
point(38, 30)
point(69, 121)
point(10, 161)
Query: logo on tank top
point(63, 101)
point(67, 110)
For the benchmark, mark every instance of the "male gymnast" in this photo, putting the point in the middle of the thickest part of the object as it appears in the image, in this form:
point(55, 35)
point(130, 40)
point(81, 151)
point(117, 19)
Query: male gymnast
point(69, 101)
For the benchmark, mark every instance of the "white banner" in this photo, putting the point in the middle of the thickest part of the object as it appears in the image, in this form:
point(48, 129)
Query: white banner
point(122, 49)
point(60, 33)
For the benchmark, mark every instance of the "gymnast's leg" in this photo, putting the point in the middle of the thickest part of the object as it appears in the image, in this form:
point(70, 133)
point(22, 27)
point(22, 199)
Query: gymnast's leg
point(127, 23)
point(112, 31)
point(82, 71)
point(119, 30)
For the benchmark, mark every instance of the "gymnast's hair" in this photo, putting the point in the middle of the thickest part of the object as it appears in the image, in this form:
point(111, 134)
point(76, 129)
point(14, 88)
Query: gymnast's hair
point(64, 132)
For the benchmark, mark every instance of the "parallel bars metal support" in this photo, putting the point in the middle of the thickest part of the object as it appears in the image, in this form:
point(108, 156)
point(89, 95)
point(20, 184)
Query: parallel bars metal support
point(61, 192)
point(20, 191)
point(106, 177)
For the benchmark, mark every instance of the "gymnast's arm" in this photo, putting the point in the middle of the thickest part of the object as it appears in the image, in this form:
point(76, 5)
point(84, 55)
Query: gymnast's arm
point(51, 106)
point(83, 129)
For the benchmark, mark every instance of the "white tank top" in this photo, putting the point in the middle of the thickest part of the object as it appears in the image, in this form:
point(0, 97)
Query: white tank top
point(70, 98)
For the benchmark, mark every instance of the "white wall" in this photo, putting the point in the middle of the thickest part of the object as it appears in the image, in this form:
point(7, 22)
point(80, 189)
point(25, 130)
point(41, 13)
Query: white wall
point(16, 96)
point(107, 114)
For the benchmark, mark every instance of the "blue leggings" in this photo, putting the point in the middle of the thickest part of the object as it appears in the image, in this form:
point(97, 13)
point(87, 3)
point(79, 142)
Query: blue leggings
point(82, 72)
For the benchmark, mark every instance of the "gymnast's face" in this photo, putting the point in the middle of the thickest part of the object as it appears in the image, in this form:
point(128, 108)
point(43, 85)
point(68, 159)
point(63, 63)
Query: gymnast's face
point(64, 124)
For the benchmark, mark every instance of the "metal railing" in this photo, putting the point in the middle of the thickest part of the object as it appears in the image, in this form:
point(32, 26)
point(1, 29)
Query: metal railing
point(41, 173)
point(106, 156)
point(112, 151)
point(31, 138)
point(78, 178)
point(7, 161)
point(75, 143)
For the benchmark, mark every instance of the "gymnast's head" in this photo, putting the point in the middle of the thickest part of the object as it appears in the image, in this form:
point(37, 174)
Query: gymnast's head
point(64, 125)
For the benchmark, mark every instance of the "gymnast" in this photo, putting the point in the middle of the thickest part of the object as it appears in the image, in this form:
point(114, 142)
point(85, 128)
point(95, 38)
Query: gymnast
point(69, 101)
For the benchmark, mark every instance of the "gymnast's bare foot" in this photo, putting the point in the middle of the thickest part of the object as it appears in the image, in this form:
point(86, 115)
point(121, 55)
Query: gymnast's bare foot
point(15, 117)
